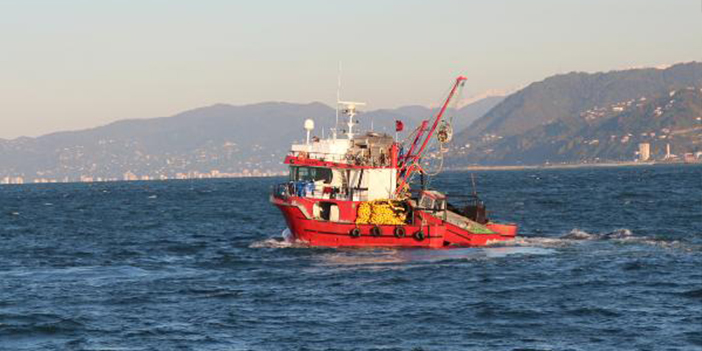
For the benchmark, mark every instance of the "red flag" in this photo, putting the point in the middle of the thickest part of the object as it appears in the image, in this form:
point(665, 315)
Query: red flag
point(399, 126)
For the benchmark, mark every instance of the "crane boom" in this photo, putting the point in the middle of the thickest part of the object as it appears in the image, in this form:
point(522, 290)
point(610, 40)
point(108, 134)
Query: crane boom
point(411, 159)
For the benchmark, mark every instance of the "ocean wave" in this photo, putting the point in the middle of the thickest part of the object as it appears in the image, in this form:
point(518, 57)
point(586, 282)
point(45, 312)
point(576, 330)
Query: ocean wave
point(693, 294)
point(284, 241)
point(37, 323)
point(525, 241)
point(577, 236)
point(573, 237)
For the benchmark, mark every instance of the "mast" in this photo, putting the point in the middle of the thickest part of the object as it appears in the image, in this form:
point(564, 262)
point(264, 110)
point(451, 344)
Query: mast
point(338, 99)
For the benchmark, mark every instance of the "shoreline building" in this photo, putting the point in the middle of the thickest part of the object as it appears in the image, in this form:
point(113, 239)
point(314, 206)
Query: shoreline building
point(644, 152)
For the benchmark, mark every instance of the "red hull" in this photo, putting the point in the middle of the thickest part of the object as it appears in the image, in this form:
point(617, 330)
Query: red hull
point(429, 232)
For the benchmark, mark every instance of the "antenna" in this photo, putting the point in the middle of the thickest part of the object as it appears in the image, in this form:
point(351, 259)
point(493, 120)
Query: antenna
point(338, 98)
point(350, 110)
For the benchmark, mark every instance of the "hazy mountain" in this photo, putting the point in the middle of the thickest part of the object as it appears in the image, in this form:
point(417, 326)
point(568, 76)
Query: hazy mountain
point(572, 117)
point(222, 137)
point(384, 120)
point(230, 139)
point(557, 119)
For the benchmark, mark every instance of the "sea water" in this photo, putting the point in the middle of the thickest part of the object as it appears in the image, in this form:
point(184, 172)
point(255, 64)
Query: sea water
point(607, 259)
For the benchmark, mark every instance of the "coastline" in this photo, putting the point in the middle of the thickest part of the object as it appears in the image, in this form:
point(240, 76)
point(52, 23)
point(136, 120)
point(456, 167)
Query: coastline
point(567, 166)
point(458, 169)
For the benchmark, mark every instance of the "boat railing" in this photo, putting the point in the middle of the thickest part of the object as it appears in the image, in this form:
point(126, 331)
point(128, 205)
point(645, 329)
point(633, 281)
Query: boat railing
point(470, 206)
point(282, 190)
point(309, 190)
point(321, 156)
point(464, 200)
point(436, 212)
point(293, 188)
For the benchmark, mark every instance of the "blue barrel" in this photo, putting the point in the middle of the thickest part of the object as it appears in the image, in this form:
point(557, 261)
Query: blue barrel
point(309, 188)
point(300, 188)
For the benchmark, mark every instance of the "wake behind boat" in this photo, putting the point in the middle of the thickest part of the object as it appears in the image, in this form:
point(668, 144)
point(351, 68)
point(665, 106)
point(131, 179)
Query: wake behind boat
point(360, 190)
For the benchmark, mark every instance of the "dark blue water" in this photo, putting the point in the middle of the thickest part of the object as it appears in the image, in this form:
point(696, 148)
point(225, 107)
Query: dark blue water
point(610, 259)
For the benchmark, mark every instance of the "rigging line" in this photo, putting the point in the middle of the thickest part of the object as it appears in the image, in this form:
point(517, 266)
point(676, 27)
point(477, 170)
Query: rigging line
point(410, 136)
point(440, 168)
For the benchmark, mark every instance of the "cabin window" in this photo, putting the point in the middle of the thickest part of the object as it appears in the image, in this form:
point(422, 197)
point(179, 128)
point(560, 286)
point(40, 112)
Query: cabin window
point(314, 174)
point(426, 202)
point(327, 211)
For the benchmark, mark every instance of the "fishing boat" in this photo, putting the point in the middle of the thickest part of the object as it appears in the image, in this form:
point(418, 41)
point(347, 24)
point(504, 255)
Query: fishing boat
point(370, 190)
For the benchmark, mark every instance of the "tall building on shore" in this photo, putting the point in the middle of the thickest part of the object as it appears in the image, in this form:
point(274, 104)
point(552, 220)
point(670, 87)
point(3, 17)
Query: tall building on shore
point(644, 152)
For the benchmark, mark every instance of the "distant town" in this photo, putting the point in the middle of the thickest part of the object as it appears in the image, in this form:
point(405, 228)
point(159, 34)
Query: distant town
point(132, 176)
point(643, 157)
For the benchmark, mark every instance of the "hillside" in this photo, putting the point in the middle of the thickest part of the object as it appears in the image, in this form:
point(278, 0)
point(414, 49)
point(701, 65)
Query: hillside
point(243, 140)
point(566, 118)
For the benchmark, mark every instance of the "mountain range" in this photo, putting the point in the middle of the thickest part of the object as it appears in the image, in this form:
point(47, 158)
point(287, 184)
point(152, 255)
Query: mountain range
point(235, 140)
point(567, 118)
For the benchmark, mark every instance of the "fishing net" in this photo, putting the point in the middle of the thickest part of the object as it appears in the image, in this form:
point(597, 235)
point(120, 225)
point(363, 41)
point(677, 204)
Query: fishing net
point(381, 212)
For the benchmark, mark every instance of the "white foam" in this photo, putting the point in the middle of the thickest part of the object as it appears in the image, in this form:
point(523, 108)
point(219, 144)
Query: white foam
point(526, 250)
point(578, 236)
point(285, 240)
point(287, 235)
point(271, 243)
point(575, 237)
point(544, 242)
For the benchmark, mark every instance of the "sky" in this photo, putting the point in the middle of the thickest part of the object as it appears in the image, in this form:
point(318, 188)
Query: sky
point(71, 64)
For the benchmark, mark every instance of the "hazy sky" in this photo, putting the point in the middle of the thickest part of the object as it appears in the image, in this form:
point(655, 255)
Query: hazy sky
point(79, 64)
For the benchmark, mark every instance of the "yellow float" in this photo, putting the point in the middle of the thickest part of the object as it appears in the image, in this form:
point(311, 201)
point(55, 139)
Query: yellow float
point(381, 212)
